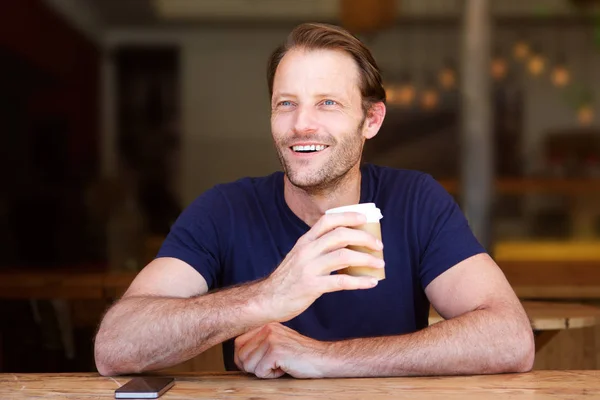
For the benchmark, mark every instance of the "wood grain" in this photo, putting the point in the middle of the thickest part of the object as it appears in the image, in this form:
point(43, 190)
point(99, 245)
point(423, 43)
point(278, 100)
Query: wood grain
point(537, 384)
point(569, 349)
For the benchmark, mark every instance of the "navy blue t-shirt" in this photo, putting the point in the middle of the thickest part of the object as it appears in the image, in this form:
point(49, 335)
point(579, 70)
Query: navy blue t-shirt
point(239, 232)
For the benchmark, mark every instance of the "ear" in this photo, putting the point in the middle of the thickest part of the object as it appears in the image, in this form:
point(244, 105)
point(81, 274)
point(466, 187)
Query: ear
point(374, 119)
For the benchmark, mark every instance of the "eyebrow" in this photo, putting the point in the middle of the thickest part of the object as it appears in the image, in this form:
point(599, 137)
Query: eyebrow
point(337, 95)
point(276, 95)
point(290, 95)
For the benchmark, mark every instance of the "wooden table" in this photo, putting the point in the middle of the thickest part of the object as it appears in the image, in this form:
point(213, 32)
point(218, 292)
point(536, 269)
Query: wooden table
point(549, 318)
point(534, 385)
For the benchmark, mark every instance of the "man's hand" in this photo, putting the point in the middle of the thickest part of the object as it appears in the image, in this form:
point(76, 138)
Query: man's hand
point(305, 273)
point(274, 350)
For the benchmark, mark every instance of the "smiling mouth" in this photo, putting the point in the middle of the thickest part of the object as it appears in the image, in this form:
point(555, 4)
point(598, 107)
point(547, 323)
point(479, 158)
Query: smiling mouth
point(311, 148)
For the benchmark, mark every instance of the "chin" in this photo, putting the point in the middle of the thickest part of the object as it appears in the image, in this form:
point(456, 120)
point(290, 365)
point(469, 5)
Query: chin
point(306, 179)
point(315, 175)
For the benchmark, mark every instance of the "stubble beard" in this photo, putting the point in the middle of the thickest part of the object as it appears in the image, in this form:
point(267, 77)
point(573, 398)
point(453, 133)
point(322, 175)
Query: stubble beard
point(322, 179)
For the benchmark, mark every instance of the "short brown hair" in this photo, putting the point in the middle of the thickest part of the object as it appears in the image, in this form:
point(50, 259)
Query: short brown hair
point(313, 36)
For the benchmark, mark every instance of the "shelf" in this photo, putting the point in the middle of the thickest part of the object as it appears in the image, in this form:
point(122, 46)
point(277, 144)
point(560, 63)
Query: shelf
point(547, 251)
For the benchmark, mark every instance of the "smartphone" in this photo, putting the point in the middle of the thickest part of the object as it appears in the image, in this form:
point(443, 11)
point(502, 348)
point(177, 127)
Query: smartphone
point(144, 387)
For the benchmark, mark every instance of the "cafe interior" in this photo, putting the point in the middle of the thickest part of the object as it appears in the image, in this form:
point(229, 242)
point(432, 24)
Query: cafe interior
point(117, 114)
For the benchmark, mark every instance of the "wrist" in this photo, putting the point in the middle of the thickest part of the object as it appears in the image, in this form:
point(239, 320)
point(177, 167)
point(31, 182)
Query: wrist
point(261, 303)
point(331, 365)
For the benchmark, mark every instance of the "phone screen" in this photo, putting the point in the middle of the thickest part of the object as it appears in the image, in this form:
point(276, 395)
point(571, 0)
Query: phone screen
point(147, 387)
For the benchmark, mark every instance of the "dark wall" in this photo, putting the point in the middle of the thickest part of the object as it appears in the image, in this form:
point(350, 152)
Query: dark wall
point(48, 133)
point(61, 73)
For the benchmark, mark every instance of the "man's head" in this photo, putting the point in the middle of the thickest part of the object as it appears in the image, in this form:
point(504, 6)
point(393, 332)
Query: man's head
point(326, 97)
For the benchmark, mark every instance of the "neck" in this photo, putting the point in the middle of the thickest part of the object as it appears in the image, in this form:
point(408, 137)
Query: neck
point(310, 204)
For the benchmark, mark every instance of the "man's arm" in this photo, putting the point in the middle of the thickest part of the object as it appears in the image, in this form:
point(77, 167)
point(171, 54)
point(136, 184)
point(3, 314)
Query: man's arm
point(486, 331)
point(158, 324)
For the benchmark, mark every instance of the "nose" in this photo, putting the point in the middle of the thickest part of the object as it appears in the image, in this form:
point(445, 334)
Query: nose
point(305, 121)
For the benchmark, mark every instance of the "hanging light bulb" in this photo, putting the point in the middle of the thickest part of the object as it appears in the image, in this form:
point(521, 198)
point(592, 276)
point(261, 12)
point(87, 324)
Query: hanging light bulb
point(407, 94)
point(521, 49)
point(447, 75)
point(499, 66)
point(391, 94)
point(585, 114)
point(406, 91)
point(400, 92)
point(537, 63)
point(430, 97)
point(560, 74)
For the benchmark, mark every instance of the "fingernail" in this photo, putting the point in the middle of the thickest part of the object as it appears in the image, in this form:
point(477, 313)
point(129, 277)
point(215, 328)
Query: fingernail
point(381, 263)
point(379, 244)
point(373, 282)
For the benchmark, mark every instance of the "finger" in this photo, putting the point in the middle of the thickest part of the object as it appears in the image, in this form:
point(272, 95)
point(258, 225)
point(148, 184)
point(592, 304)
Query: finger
point(253, 350)
point(254, 354)
point(268, 367)
point(335, 283)
point(242, 339)
point(276, 373)
point(244, 351)
point(328, 222)
point(343, 258)
point(342, 237)
point(273, 373)
point(240, 342)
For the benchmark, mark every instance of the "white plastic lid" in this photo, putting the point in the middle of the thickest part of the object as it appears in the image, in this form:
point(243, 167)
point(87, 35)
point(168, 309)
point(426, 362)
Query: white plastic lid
point(372, 213)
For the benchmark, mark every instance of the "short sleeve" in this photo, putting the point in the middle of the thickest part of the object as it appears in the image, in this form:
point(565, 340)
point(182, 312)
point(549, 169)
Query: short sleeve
point(445, 238)
point(197, 239)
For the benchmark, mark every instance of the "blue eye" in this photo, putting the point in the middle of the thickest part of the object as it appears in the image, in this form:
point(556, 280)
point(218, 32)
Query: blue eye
point(329, 103)
point(285, 103)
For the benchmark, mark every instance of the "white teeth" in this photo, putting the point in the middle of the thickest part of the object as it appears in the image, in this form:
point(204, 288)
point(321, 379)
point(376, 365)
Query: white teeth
point(310, 147)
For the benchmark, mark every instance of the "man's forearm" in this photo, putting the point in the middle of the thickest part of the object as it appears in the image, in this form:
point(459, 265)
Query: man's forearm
point(146, 333)
point(475, 343)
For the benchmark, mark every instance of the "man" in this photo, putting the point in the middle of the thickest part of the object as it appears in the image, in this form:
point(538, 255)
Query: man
point(266, 244)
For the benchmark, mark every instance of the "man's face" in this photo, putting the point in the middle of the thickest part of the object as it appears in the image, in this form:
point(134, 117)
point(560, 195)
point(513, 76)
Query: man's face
point(317, 119)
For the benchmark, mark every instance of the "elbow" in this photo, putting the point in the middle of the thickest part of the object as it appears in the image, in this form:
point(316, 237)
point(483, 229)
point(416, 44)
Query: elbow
point(527, 352)
point(101, 358)
point(104, 369)
point(523, 354)
point(109, 367)
point(113, 369)
point(107, 361)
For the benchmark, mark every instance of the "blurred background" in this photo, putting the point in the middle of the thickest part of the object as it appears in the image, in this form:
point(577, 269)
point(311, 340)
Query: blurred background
point(116, 114)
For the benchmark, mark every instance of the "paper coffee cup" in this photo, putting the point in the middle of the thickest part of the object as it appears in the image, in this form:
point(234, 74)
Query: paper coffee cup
point(373, 227)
